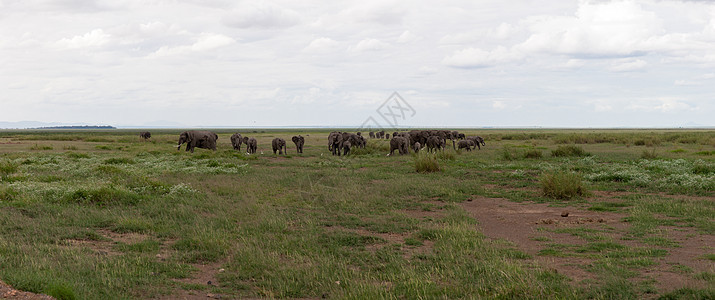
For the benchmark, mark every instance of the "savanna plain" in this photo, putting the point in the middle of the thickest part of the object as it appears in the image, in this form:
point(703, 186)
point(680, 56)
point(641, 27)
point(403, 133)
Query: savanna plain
point(534, 214)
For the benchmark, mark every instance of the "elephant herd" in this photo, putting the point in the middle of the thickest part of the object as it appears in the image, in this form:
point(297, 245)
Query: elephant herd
point(207, 140)
point(432, 140)
point(340, 143)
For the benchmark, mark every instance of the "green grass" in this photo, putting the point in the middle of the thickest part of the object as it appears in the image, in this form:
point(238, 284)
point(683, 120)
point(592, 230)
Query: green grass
point(105, 215)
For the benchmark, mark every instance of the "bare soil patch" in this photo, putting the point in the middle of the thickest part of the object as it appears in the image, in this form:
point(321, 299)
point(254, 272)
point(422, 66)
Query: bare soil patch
point(523, 225)
point(7, 292)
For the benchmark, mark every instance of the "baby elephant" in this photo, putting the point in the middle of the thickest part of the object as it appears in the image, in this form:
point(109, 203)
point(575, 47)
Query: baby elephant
point(468, 144)
point(279, 145)
point(251, 145)
point(298, 141)
point(416, 147)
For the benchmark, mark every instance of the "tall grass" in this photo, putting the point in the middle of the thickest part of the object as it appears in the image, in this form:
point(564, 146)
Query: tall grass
point(426, 162)
point(562, 185)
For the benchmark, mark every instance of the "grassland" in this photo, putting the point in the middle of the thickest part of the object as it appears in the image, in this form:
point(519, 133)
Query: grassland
point(106, 215)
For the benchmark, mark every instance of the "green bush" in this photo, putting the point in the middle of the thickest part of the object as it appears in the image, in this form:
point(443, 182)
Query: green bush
point(7, 168)
point(533, 153)
point(569, 150)
point(649, 154)
point(426, 163)
point(507, 153)
point(562, 185)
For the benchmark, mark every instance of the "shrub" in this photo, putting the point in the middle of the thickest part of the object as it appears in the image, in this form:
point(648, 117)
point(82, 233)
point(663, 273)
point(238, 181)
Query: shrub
point(7, 168)
point(562, 185)
point(507, 153)
point(533, 153)
point(569, 150)
point(445, 155)
point(649, 154)
point(426, 163)
point(118, 161)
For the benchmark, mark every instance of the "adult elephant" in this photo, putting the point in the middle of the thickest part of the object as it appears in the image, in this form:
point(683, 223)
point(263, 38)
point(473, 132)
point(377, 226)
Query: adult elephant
point(251, 144)
point(400, 144)
point(435, 143)
point(236, 141)
point(279, 145)
point(198, 139)
point(145, 135)
point(299, 141)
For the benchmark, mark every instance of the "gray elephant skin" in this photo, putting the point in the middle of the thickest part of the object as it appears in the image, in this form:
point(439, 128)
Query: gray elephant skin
point(279, 145)
point(236, 141)
point(299, 141)
point(400, 144)
point(251, 144)
point(145, 135)
point(198, 139)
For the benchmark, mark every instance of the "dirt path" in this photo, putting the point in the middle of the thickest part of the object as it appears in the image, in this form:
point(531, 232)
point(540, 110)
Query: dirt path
point(529, 226)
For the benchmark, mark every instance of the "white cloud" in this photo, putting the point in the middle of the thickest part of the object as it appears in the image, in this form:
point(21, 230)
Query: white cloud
point(322, 45)
point(262, 15)
point(205, 42)
point(617, 28)
point(408, 37)
point(664, 105)
point(369, 45)
point(628, 65)
point(478, 58)
point(94, 38)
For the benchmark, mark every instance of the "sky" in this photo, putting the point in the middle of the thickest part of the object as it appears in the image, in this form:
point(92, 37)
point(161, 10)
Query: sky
point(473, 63)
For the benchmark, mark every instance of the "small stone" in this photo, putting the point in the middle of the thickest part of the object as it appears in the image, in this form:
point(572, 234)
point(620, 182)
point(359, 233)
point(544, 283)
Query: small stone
point(209, 283)
point(221, 270)
point(565, 214)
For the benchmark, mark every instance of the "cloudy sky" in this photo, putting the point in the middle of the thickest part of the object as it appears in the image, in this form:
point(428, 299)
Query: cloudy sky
point(203, 63)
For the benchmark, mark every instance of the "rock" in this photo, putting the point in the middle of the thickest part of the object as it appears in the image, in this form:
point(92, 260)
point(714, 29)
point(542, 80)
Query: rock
point(565, 214)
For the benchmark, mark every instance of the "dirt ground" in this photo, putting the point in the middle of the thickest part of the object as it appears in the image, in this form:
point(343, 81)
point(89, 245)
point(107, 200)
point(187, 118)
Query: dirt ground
point(528, 226)
point(7, 292)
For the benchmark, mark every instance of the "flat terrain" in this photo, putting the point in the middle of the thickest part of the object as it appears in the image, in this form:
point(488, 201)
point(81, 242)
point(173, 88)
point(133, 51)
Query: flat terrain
point(535, 214)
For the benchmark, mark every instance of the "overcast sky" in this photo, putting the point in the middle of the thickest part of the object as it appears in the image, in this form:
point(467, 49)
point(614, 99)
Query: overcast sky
point(551, 63)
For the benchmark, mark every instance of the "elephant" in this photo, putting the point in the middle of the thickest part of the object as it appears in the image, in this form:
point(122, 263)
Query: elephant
point(298, 141)
point(477, 140)
point(461, 136)
point(346, 147)
point(279, 145)
point(145, 135)
point(387, 136)
point(468, 144)
point(416, 147)
point(435, 143)
point(200, 139)
point(251, 145)
point(236, 141)
point(400, 144)
point(381, 134)
point(372, 134)
point(335, 138)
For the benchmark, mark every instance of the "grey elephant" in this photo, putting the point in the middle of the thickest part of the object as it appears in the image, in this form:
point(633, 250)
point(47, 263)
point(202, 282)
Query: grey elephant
point(299, 141)
point(145, 135)
point(372, 134)
point(435, 143)
point(477, 140)
point(279, 145)
point(335, 138)
point(400, 144)
point(251, 144)
point(466, 144)
point(346, 147)
point(236, 141)
point(198, 139)
point(416, 147)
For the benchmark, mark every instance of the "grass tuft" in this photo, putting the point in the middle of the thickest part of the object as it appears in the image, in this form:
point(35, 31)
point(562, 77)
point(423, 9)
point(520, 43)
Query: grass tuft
point(562, 185)
point(426, 163)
